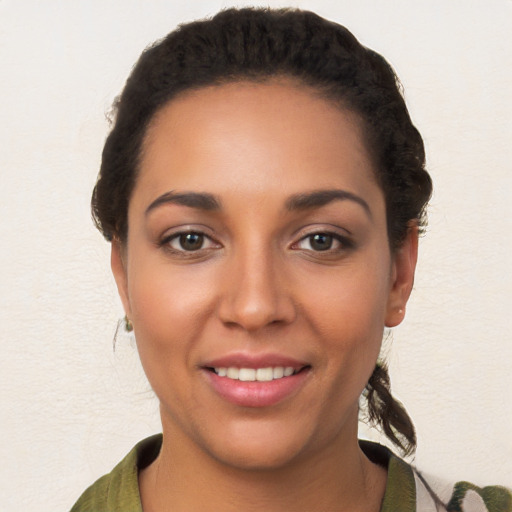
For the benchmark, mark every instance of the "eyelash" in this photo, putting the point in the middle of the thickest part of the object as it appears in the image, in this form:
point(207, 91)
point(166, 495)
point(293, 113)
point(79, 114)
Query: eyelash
point(343, 243)
point(179, 238)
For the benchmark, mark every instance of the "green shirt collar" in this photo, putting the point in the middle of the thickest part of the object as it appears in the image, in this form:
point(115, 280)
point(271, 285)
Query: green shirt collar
point(119, 490)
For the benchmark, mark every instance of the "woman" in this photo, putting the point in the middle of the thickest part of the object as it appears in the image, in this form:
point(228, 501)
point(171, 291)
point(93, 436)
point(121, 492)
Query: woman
point(263, 188)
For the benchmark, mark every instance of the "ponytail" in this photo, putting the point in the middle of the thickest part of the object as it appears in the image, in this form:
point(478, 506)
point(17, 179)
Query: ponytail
point(387, 413)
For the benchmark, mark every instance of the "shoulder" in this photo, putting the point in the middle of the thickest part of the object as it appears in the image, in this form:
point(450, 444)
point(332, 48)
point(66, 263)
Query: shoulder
point(409, 490)
point(463, 496)
point(119, 489)
point(94, 497)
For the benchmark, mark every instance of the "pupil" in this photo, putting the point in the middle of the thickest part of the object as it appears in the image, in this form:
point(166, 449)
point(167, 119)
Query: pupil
point(321, 242)
point(191, 241)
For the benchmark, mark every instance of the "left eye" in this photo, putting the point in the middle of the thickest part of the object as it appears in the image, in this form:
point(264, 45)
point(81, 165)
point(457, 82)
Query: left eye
point(190, 241)
point(319, 242)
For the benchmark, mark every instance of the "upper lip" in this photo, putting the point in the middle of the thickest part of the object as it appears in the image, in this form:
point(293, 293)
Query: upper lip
point(245, 360)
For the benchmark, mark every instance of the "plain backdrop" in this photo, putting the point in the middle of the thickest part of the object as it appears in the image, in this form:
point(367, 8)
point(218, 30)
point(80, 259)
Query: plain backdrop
point(72, 407)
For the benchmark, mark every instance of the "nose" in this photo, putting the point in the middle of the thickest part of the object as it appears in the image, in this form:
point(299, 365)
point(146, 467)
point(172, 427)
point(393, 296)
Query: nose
point(255, 293)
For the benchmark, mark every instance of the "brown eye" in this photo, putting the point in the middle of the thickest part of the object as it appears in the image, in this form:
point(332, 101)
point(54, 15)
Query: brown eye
point(191, 241)
point(190, 244)
point(321, 241)
point(188, 241)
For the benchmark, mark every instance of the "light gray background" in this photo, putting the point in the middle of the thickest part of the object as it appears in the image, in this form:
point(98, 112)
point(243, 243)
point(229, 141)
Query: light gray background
point(71, 408)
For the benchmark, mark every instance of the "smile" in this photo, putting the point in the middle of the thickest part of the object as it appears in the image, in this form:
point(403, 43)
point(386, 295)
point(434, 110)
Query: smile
point(255, 374)
point(251, 381)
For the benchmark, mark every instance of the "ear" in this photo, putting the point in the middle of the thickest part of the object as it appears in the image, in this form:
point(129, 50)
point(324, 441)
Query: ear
point(118, 265)
point(402, 277)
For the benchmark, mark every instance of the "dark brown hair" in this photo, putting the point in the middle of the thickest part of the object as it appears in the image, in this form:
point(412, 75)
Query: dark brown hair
point(258, 44)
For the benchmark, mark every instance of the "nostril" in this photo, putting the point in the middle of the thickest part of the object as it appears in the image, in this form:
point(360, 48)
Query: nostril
point(255, 300)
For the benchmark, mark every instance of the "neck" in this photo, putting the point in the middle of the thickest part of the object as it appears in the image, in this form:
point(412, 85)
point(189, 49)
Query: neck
point(339, 478)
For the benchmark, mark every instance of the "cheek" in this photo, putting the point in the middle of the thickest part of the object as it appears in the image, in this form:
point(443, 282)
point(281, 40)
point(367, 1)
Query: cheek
point(169, 305)
point(352, 299)
point(348, 314)
point(160, 289)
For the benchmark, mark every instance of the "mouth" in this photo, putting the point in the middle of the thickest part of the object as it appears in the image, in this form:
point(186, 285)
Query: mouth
point(266, 374)
point(256, 382)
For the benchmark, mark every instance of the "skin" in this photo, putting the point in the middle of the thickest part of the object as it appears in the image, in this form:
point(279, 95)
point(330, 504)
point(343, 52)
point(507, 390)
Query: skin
point(258, 285)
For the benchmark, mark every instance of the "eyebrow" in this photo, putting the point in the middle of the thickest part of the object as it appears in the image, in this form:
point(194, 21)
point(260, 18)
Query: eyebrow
point(201, 201)
point(318, 198)
point(305, 201)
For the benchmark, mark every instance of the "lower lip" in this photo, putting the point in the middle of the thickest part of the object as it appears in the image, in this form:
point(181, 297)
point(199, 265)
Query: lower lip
point(257, 394)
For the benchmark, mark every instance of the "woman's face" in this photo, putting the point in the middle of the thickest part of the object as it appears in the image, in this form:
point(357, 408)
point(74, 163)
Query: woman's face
point(257, 247)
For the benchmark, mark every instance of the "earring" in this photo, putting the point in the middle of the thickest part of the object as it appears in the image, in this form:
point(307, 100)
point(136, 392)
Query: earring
point(122, 323)
point(128, 326)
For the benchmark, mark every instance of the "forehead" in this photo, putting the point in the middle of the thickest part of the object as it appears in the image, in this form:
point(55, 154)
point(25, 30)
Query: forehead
point(254, 137)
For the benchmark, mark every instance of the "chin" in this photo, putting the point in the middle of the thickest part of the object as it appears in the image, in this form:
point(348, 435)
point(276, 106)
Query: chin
point(259, 457)
point(260, 446)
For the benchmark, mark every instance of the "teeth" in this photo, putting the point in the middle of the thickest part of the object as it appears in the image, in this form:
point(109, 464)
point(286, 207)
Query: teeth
point(232, 373)
point(288, 371)
point(264, 374)
point(247, 374)
point(278, 372)
point(252, 375)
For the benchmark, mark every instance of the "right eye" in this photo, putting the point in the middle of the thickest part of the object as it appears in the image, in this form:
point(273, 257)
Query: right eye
point(189, 241)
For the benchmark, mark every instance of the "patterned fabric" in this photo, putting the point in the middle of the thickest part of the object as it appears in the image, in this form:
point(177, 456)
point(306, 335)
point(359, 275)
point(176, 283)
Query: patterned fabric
point(434, 495)
point(406, 489)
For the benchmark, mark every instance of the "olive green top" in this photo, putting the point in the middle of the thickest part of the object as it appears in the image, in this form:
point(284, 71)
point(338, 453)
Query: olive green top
point(406, 489)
